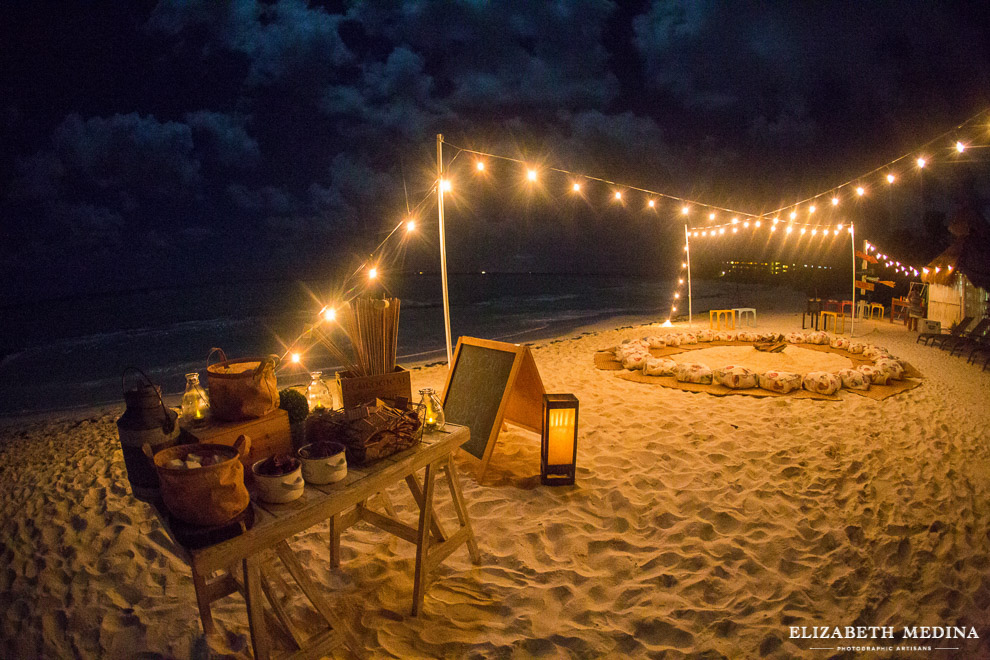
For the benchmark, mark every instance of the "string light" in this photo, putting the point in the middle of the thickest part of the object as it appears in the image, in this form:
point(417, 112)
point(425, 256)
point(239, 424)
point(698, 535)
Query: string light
point(793, 214)
point(960, 147)
point(576, 187)
point(329, 314)
point(811, 209)
point(890, 178)
point(757, 224)
point(711, 216)
point(860, 190)
point(296, 358)
point(372, 273)
point(618, 195)
point(652, 203)
point(835, 201)
point(685, 209)
point(410, 225)
point(789, 229)
point(480, 166)
point(444, 185)
point(921, 163)
point(531, 175)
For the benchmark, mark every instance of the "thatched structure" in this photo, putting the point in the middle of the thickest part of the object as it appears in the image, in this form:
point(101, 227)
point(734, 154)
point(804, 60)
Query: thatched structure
point(960, 277)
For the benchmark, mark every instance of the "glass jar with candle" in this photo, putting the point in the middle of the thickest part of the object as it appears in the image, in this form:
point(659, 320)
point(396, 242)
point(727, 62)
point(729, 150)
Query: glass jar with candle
point(318, 393)
point(433, 418)
point(195, 404)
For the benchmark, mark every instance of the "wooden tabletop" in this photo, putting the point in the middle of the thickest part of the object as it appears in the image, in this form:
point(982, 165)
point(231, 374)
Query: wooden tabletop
point(278, 522)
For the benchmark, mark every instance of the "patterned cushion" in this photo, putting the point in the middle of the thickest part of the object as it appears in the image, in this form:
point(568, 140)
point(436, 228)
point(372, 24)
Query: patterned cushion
point(735, 377)
point(796, 338)
point(659, 367)
point(635, 361)
point(818, 337)
point(673, 340)
point(693, 373)
point(657, 342)
point(854, 379)
point(891, 366)
point(689, 338)
point(821, 382)
point(856, 348)
point(839, 342)
point(705, 335)
point(747, 336)
point(873, 352)
point(780, 381)
point(724, 336)
point(876, 376)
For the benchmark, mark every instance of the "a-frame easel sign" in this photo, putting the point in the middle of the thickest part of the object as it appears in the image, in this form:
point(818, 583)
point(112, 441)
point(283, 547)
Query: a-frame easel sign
point(491, 382)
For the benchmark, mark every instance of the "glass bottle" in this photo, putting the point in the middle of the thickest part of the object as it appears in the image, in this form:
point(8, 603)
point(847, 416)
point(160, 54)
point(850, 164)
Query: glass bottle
point(195, 403)
point(433, 417)
point(318, 394)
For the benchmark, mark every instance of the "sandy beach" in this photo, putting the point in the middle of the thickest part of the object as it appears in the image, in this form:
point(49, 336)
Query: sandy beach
point(699, 526)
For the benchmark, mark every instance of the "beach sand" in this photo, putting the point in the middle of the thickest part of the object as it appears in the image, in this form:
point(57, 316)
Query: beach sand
point(699, 526)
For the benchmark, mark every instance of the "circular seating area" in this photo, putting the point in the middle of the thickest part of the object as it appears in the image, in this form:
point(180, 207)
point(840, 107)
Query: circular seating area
point(815, 363)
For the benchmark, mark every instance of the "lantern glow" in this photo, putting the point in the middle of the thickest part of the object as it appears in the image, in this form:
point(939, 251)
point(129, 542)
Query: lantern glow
point(558, 450)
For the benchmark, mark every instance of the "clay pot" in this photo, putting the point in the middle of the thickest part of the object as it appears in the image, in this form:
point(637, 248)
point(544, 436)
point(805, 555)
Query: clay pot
point(323, 469)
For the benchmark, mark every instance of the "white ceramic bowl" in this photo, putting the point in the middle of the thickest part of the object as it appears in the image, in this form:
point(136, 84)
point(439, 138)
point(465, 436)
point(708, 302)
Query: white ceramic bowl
point(281, 489)
point(323, 470)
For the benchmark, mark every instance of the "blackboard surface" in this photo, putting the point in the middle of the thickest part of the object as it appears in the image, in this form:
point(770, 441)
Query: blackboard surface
point(475, 391)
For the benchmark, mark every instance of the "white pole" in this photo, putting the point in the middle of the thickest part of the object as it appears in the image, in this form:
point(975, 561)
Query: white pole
point(852, 241)
point(687, 260)
point(443, 251)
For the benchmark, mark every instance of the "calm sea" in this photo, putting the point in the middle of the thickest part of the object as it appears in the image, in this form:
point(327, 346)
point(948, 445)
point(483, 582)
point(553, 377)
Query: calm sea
point(71, 352)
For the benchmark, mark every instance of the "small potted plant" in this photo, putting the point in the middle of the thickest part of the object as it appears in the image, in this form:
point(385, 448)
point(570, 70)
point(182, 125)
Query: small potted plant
point(294, 403)
point(278, 478)
point(323, 462)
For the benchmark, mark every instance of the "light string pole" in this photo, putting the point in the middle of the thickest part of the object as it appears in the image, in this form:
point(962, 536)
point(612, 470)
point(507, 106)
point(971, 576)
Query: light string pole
point(443, 251)
point(852, 323)
point(687, 260)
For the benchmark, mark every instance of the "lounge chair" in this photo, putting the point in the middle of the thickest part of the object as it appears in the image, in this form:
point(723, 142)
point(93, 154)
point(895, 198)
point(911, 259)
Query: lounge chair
point(928, 337)
point(979, 346)
point(949, 342)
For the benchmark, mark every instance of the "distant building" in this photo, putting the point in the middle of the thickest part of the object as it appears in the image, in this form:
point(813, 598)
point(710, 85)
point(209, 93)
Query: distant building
point(755, 269)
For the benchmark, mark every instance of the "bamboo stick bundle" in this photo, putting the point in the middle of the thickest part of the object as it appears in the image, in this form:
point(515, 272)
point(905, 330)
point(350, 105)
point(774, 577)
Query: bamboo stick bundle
point(372, 328)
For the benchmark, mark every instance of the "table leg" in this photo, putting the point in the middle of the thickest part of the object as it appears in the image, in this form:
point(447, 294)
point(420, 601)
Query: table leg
point(423, 538)
point(460, 508)
point(417, 493)
point(335, 541)
point(256, 607)
point(203, 602)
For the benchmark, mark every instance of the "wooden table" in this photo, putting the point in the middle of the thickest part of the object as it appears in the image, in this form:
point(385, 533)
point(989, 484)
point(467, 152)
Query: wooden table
point(245, 563)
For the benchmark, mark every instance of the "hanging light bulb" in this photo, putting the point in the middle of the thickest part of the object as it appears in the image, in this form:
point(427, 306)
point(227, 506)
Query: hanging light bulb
point(839, 227)
point(711, 216)
point(735, 230)
point(960, 147)
point(721, 230)
point(811, 209)
point(618, 195)
point(835, 201)
point(680, 281)
point(372, 273)
point(803, 230)
point(651, 203)
point(685, 210)
point(746, 225)
point(776, 220)
point(677, 295)
point(757, 224)
point(921, 163)
point(793, 214)
point(789, 229)
point(890, 178)
point(814, 232)
point(444, 185)
point(295, 357)
point(576, 187)
point(410, 225)
point(329, 314)
point(735, 221)
point(860, 190)
point(480, 166)
point(531, 175)
point(704, 232)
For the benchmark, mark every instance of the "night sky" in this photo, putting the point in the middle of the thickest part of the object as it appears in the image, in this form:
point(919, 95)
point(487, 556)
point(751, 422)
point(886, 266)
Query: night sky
point(149, 143)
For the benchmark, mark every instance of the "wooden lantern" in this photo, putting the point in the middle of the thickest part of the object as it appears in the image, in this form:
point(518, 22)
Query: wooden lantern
point(558, 449)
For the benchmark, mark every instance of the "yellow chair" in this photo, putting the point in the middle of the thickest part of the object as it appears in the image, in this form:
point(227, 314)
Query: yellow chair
point(823, 318)
point(716, 318)
point(876, 307)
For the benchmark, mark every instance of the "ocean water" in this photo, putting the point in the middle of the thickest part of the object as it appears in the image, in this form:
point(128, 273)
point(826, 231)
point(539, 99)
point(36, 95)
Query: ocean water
point(71, 352)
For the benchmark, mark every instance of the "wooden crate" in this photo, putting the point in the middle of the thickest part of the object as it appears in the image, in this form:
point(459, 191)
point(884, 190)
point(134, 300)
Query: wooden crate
point(355, 390)
point(269, 435)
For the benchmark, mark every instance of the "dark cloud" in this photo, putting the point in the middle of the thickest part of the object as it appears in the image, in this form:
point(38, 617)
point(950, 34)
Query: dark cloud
point(287, 122)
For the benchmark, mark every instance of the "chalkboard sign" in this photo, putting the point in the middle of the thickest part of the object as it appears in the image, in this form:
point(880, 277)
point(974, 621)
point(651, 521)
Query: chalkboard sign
point(491, 381)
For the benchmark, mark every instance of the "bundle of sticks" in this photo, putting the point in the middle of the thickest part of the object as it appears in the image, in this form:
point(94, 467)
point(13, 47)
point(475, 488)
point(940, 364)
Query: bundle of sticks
point(372, 329)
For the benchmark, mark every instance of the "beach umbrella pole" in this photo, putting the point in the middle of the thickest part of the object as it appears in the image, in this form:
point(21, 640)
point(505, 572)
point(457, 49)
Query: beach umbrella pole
point(443, 251)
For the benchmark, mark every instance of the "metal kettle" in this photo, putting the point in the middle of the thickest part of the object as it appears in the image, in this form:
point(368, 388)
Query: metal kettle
point(146, 420)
